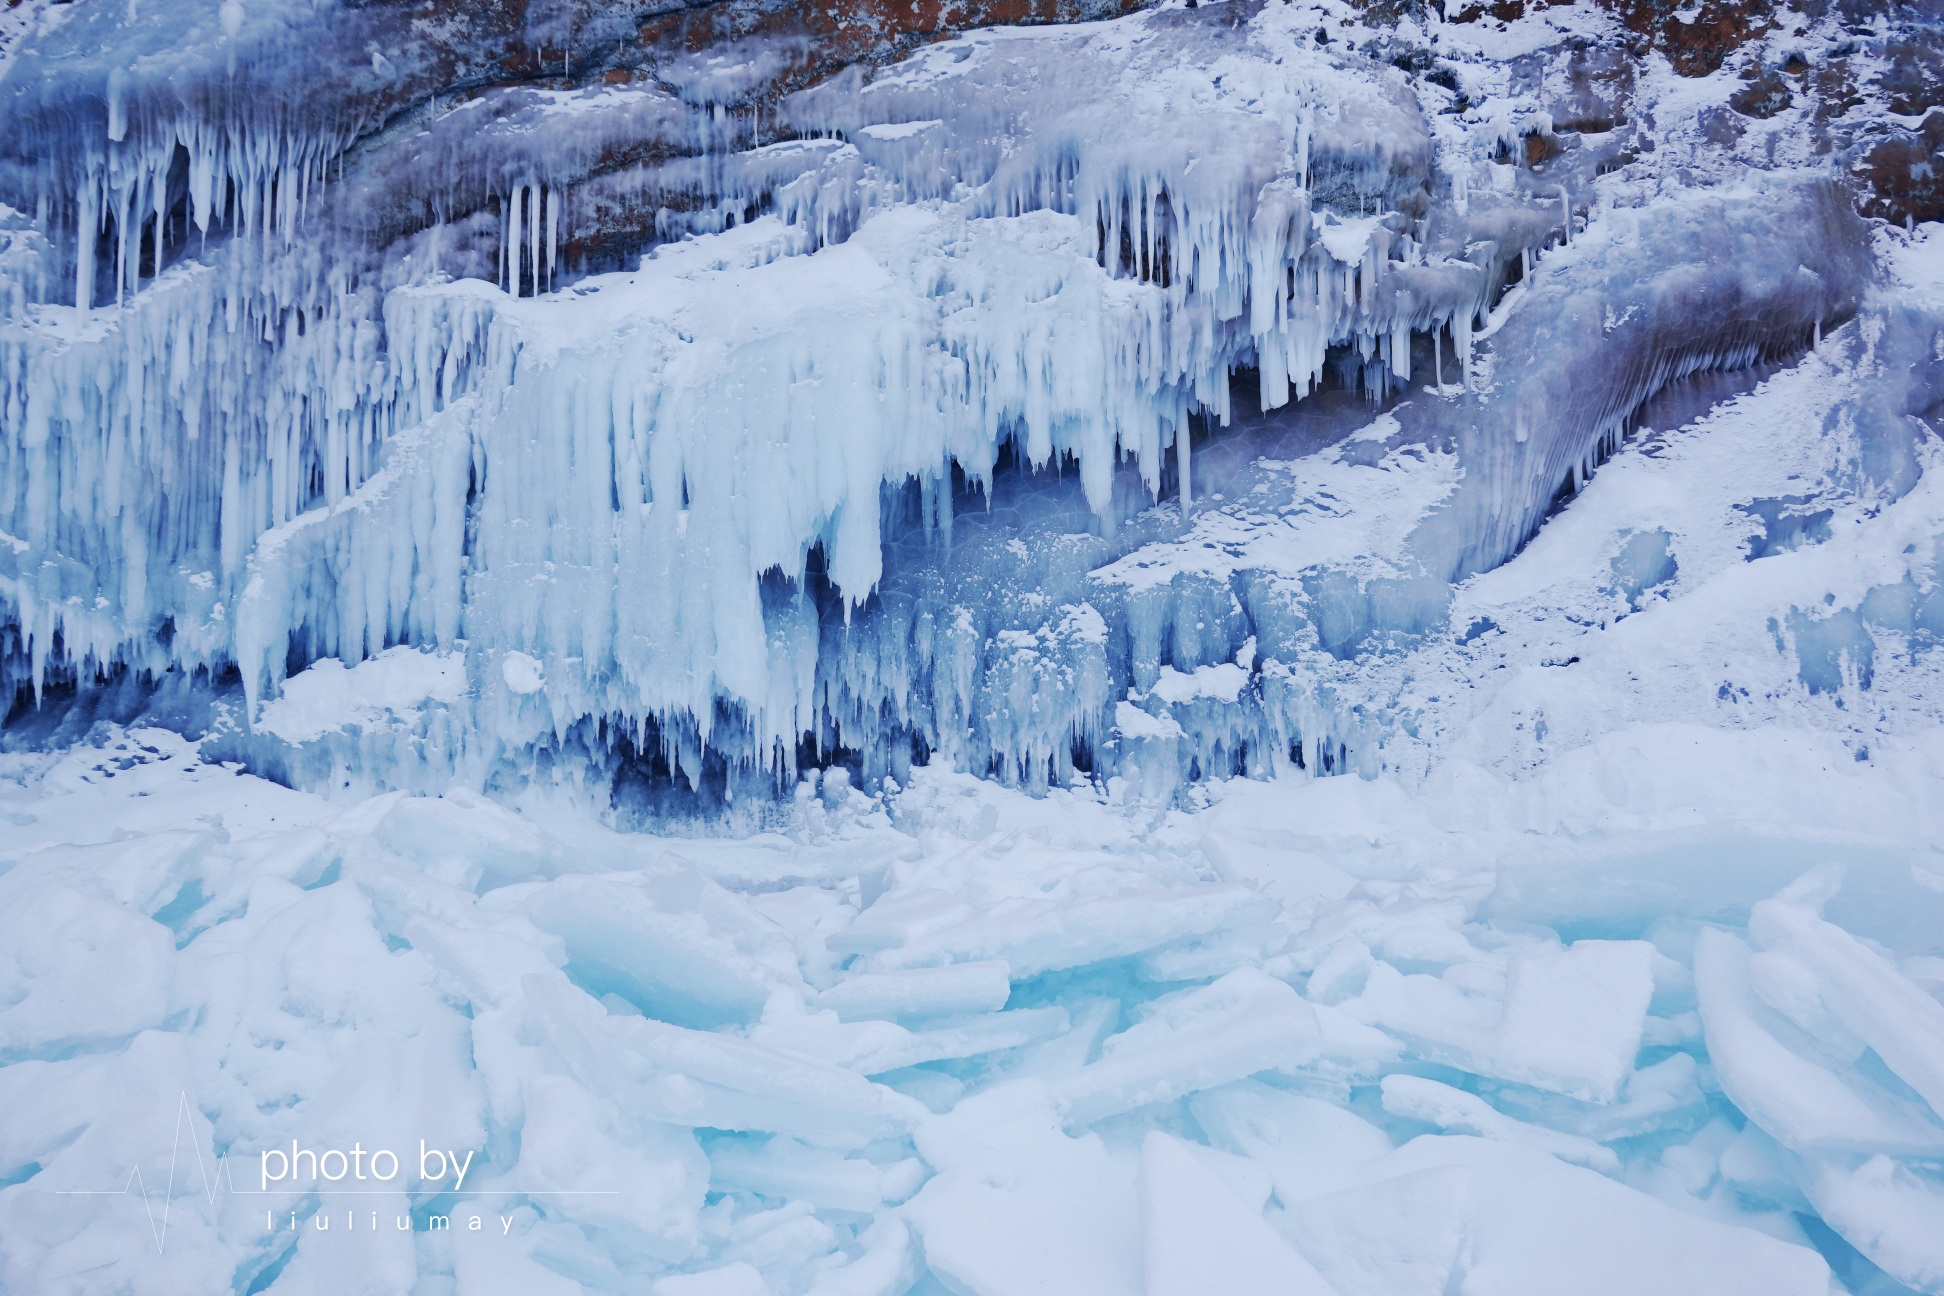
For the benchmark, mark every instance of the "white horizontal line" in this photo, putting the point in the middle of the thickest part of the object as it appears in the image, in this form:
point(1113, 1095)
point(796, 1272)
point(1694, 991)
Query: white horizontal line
point(368, 1192)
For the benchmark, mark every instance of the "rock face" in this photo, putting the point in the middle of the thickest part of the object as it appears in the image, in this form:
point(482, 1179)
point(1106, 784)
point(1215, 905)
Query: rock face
point(371, 87)
point(303, 356)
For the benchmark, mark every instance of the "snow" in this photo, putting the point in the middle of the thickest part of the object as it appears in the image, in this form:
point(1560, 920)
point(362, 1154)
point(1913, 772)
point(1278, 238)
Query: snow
point(900, 130)
point(328, 695)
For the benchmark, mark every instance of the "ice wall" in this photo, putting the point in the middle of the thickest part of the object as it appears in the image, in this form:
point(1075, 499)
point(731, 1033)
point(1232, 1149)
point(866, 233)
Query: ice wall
point(717, 499)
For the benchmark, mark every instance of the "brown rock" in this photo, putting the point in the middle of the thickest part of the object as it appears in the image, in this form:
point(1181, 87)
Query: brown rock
point(1833, 84)
point(829, 37)
point(1699, 47)
point(1902, 173)
point(1765, 96)
point(1913, 83)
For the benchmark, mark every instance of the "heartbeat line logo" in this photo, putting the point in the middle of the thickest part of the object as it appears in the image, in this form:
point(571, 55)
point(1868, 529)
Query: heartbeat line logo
point(159, 1229)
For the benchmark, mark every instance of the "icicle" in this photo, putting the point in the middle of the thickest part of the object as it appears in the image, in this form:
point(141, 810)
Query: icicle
point(533, 233)
point(86, 227)
point(160, 193)
point(1181, 459)
point(509, 245)
point(553, 234)
point(123, 252)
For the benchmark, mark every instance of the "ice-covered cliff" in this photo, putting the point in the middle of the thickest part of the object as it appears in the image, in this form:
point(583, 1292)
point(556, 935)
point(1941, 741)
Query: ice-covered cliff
point(725, 427)
point(959, 476)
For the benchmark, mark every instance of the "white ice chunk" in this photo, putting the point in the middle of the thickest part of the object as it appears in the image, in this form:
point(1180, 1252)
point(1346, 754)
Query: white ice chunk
point(921, 992)
point(899, 130)
point(1888, 1213)
point(487, 966)
point(1346, 240)
point(508, 1268)
point(1244, 1023)
point(888, 1266)
point(1132, 722)
point(788, 1168)
point(1198, 1237)
point(645, 937)
point(1068, 1211)
point(1041, 935)
point(1863, 990)
point(1401, 1236)
point(469, 841)
point(328, 696)
point(1456, 1112)
point(645, 1192)
point(1309, 1147)
point(1802, 1103)
point(1222, 682)
point(1571, 1021)
point(873, 1047)
point(1446, 1213)
point(76, 968)
point(738, 1279)
point(708, 1080)
point(522, 673)
point(1653, 1099)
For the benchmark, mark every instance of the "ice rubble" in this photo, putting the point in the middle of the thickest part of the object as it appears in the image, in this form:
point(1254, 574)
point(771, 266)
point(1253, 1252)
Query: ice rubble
point(1042, 1045)
point(1016, 252)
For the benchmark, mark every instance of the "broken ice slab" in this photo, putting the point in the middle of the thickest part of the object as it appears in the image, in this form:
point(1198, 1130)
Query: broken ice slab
point(1622, 885)
point(1841, 980)
point(953, 990)
point(1892, 1215)
point(1456, 1112)
point(707, 1080)
point(1067, 1207)
point(1310, 1148)
point(1198, 1236)
point(1783, 1081)
point(924, 927)
point(875, 1047)
point(1452, 1213)
point(1571, 1020)
point(675, 944)
point(792, 1170)
point(1242, 1024)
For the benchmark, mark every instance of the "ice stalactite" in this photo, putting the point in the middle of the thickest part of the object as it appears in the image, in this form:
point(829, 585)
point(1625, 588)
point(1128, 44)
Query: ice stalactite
point(681, 489)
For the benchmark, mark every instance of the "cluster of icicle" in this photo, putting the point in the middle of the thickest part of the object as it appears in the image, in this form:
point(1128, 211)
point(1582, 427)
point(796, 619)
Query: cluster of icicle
point(250, 455)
